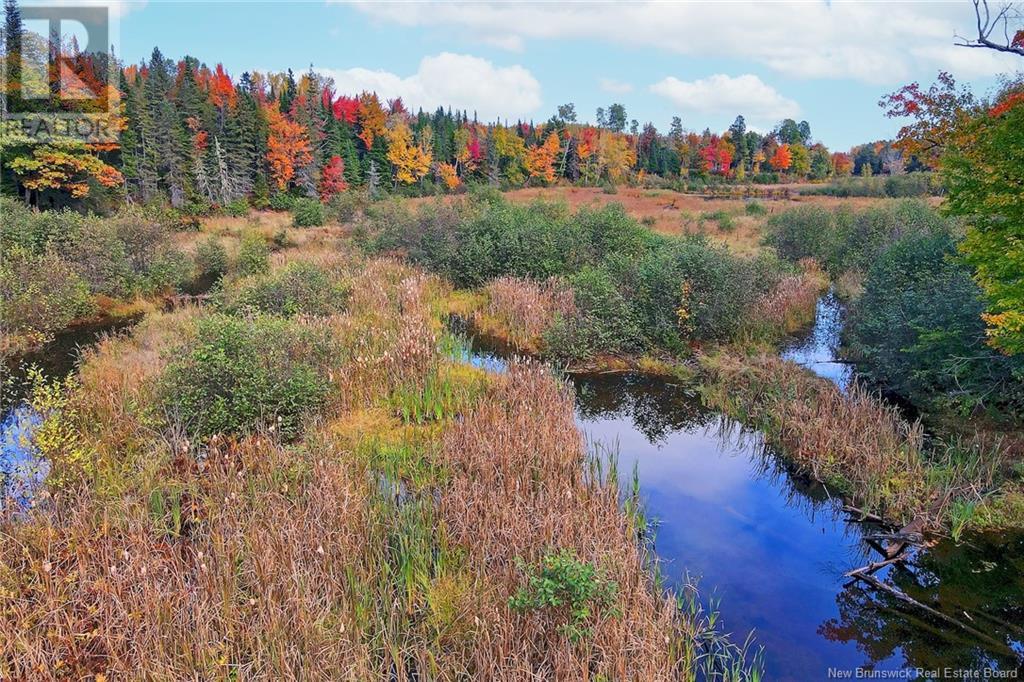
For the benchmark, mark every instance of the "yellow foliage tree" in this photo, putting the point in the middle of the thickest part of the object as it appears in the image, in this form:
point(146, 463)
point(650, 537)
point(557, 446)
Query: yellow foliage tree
point(616, 155)
point(411, 161)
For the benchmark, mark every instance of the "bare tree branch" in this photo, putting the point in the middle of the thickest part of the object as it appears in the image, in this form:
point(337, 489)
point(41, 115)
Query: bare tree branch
point(1008, 21)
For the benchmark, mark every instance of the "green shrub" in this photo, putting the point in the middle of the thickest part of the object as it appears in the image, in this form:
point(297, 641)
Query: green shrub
point(843, 240)
point(253, 256)
point(211, 258)
point(604, 321)
point(567, 591)
point(237, 208)
point(39, 293)
point(307, 213)
point(917, 329)
point(299, 288)
point(609, 188)
point(238, 375)
point(344, 207)
point(281, 201)
point(755, 208)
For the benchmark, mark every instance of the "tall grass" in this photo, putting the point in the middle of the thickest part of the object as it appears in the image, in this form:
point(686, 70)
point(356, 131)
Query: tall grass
point(384, 540)
point(854, 442)
point(522, 311)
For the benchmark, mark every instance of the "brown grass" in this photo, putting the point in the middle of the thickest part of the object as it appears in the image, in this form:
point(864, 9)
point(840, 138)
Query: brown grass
point(791, 304)
point(854, 441)
point(375, 547)
point(520, 311)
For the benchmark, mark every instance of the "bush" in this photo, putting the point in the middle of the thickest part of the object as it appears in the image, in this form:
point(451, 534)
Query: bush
point(843, 240)
point(253, 256)
point(238, 375)
point(39, 293)
point(893, 186)
point(917, 329)
point(281, 201)
point(211, 258)
point(299, 288)
point(568, 591)
point(604, 321)
point(479, 238)
point(755, 208)
point(307, 213)
point(344, 207)
point(237, 208)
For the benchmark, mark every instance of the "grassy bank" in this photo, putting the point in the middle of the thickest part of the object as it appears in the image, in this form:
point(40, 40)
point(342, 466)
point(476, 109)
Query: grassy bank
point(300, 476)
point(864, 449)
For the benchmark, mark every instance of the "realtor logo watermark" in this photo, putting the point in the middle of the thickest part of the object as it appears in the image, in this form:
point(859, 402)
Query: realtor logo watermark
point(60, 76)
point(923, 674)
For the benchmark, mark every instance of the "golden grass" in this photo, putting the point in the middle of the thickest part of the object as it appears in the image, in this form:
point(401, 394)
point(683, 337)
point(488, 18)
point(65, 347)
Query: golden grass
point(380, 545)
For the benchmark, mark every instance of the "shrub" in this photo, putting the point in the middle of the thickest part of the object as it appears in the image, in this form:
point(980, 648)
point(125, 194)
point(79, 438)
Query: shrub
point(842, 239)
point(568, 591)
point(239, 375)
point(604, 321)
point(755, 208)
point(39, 293)
point(344, 207)
point(237, 208)
point(253, 256)
point(299, 288)
point(609, 188)
point(281, 201)
point(211, 258)
point(307, 213)
point(917, 328)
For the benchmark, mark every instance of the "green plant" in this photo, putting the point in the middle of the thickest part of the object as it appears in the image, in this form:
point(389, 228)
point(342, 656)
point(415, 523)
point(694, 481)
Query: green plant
point(211, 257)
point(253, 256)
point(281, 201)
point(298, 288)
point(238, 375)
point(39, 293)
point(755, 208)
point(237, 208)
point(307, 213)
point(571, 592)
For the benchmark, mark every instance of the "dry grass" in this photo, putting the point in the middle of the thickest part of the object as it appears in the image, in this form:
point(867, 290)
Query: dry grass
point(791, 304)
point(382, 544)
point(854, 441)
point(520, 311)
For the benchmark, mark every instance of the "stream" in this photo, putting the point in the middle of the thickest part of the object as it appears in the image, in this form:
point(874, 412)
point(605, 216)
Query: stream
point(771, 548)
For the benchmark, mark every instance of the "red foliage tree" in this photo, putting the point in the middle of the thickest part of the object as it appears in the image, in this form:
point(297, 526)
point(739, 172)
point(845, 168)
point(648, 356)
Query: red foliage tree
point(332, 180)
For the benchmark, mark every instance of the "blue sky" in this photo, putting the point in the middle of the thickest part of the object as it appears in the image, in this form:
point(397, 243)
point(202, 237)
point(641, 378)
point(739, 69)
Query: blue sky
point(827, 63)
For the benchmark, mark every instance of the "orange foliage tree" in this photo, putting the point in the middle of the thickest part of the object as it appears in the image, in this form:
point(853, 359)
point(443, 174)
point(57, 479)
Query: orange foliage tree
point(540, 159)
point(782, 158)
point(449, 176)
point(287, 147)
point(372, 118)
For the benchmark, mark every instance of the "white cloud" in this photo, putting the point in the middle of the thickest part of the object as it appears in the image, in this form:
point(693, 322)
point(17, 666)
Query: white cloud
point(722, 94)
point(615, 87)
point(875, 42)
point(456, 80)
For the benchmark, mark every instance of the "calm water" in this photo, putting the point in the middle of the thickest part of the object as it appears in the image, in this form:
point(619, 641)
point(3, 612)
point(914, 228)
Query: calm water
point(20, 470)
point(773, 547)
point(818, 350)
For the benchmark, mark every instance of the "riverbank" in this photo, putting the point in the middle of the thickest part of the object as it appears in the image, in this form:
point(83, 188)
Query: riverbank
point(240, 494)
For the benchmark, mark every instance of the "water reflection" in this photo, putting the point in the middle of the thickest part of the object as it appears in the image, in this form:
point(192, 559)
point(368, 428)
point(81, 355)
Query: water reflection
point(775, 547)
point(818, 349)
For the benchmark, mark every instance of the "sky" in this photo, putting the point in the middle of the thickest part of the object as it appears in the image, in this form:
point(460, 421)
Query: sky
point(826, 62)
